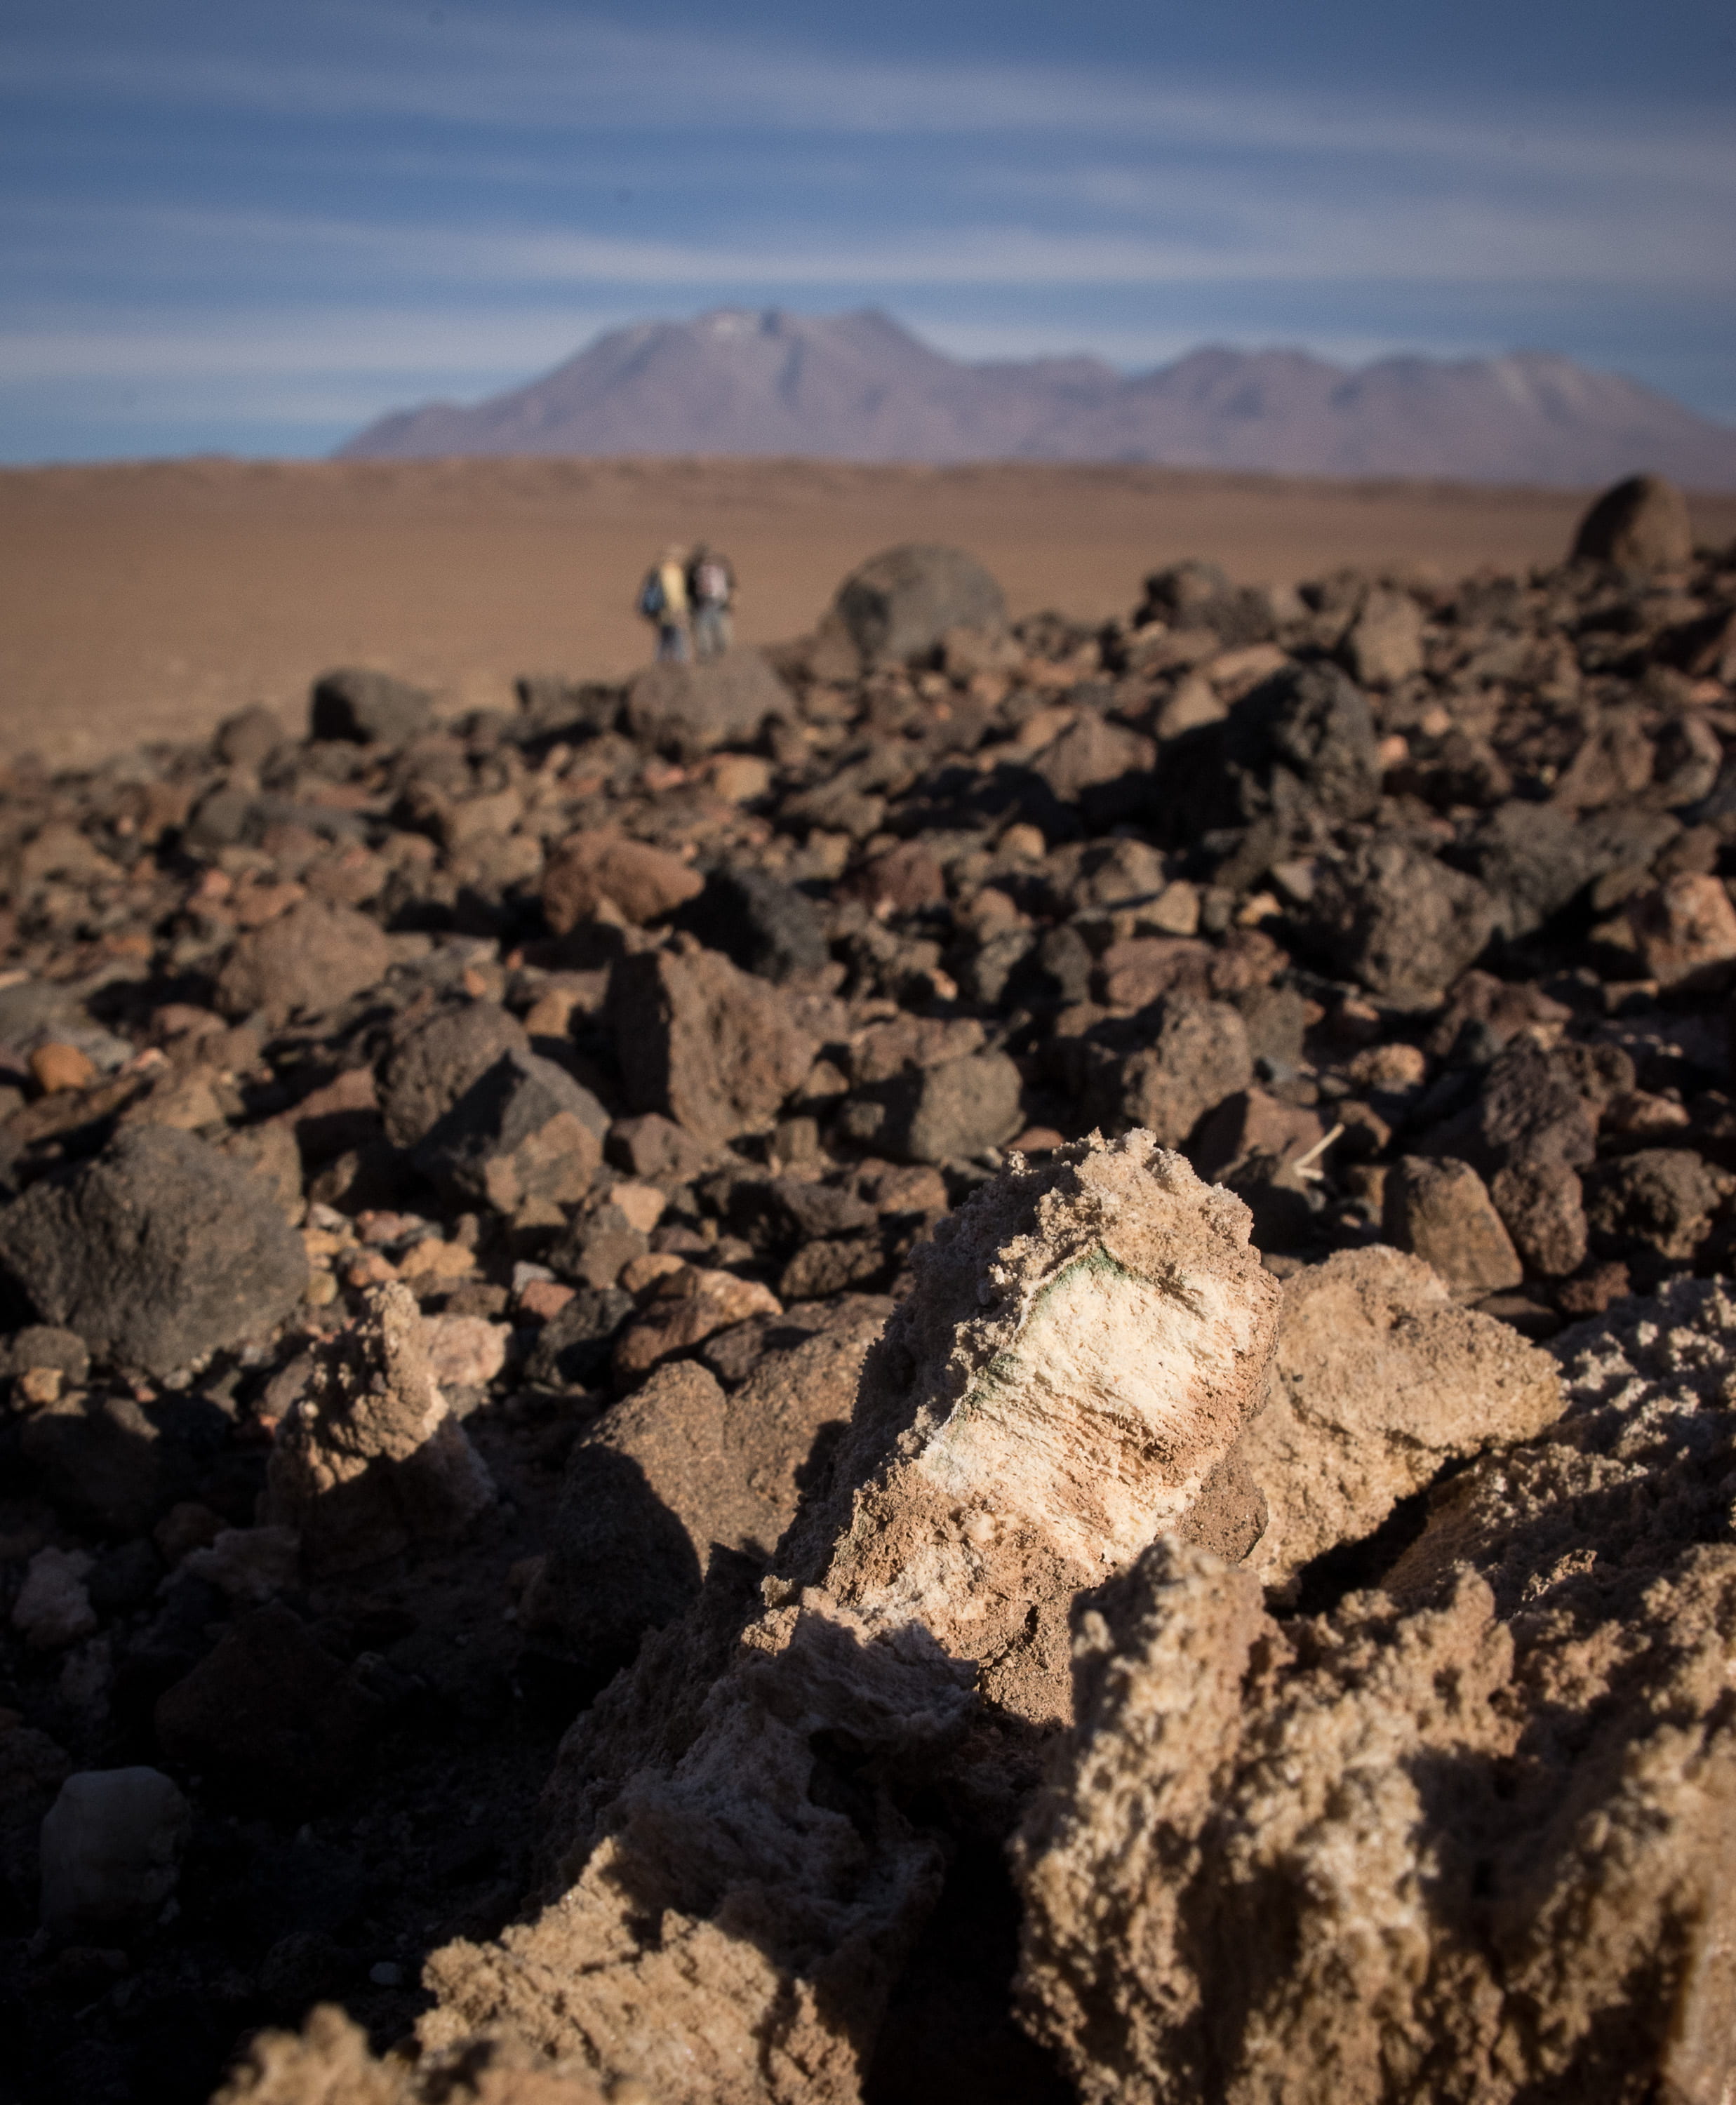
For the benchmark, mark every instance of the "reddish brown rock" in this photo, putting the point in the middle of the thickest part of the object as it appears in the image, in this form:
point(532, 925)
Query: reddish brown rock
point(308, 961)
point(1443, 1213)
point(1683, 930)
point(710, 1046)
point(641, 883)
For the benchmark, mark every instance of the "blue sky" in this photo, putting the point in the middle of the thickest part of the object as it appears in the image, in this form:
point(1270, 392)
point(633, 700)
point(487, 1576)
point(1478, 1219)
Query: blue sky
point(250, 225)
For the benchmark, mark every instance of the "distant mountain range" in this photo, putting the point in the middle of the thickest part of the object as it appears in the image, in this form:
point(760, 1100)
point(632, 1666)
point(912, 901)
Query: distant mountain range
point(857, 387)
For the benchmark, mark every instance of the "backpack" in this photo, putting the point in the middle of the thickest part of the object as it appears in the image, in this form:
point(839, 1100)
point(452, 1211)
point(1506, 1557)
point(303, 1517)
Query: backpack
point(650, 595)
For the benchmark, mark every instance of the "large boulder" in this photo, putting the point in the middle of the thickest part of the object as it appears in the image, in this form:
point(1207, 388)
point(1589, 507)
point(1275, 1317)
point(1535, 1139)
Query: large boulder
point(1065, 1381)
point(157, 1252)
point(1452, 1836)
point(688, 709)
point(368, 708)
point(900, 603)
point(1641, 525)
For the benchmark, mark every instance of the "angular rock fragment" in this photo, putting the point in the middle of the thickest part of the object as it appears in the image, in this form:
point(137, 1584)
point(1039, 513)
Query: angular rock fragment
point(1302, 741)
point(520, 1139)
point(1443, 1212)
point(1384, 645)
point(689, 709)
point(430, 1066)
point(641, 883)
point(759, 923)
point(368, 708)
point(1542, 1206)
point(1379, 1377)
point(1399, 921)
point(683, 1467)
point(1684, 929)
point(711, 1047)
point(943, 1113)
point(1657, 1202)
point(1072, 1370)
point(1197, 1056)
point(111, 1848)
point(369, 1459)
point(1464, 1837)
point(271, 1717)
point(573, 1348)
point(157, 1253)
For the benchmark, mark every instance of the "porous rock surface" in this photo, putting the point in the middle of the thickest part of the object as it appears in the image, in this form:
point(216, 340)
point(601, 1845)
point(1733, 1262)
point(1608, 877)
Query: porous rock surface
point(1082, 1349)
point(156, 1252)
point(1464, 1835)
point(1379, 1378)
point(368, 1458)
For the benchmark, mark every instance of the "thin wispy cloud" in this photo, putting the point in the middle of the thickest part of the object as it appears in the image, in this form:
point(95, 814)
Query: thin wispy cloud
point(206, 189)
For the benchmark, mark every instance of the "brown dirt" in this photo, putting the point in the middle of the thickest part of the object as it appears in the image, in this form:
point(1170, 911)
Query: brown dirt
point(149, 601)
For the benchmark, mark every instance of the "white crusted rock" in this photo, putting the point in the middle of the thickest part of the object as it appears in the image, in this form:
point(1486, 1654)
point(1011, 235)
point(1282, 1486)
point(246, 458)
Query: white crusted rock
point(1068, 1377)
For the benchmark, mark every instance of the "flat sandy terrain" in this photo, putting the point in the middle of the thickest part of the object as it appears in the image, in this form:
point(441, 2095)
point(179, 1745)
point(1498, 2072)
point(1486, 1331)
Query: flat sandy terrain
point(147, 601)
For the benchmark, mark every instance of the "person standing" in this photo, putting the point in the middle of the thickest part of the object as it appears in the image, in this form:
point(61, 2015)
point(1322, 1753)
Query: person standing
point(711, 592)
point(663, 601)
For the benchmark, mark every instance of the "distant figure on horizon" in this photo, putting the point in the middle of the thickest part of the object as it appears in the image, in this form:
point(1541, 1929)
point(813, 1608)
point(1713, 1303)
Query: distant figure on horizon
point(711, 591)
point(663, 601)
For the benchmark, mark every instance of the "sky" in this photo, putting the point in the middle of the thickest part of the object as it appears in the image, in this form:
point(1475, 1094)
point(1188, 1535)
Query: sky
point(251, 226)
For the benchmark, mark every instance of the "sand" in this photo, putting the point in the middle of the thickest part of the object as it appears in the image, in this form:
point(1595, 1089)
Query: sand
point(149, 601)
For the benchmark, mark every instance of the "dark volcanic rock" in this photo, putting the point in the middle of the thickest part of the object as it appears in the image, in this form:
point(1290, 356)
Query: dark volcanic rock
point(1303, 741)
point(711, 1047)
point(271, 1717)
point(430, 1067)
point(572, 1349)
point(1442, 1212)
point(1641, 525)
point(1197, 1055)
point(157, 1253)
point(684, 1467)
point(900, 603)
point(1399, 921)
point(688, 709)
point(943, 1113)
point(524, 1135)
point(1659, 1202)
point(368, 708)
point(758, 923)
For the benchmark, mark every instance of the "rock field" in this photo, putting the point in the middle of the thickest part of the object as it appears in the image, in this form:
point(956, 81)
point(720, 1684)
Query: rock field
point(967, 1361)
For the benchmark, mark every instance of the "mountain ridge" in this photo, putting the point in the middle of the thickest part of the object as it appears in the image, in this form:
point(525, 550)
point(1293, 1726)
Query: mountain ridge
point(859, 386)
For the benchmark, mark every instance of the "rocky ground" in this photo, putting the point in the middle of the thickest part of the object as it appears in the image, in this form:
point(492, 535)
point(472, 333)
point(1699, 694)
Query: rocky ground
point(457, 1174)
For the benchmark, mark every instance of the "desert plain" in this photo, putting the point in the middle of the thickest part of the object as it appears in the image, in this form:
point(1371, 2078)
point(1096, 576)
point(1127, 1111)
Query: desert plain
point(150, 600)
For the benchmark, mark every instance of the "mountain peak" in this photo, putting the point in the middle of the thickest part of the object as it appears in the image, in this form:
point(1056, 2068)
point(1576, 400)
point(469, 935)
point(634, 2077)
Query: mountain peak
point(859, 386)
